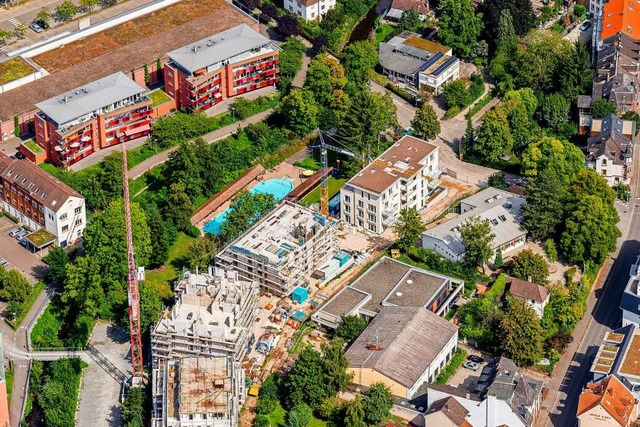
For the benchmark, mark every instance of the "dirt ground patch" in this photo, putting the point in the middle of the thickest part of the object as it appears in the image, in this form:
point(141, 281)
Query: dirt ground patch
point(127, 33)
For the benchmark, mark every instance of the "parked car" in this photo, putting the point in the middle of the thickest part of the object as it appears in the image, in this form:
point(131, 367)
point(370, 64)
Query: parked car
point(24, 242)
point(42, 24)
point(19, 155)
point(4, 262)
point(14, 231)
point(35, 27)
point(475, 359)
point(20, 234)
point(585, 26)
point(470, 365)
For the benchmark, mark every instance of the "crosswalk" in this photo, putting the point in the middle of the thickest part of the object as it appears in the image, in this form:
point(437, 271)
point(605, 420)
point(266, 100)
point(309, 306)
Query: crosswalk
point(15, 22)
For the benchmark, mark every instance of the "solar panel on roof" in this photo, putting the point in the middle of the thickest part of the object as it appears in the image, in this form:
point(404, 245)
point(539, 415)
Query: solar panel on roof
point(444, 66)
point(431, 61)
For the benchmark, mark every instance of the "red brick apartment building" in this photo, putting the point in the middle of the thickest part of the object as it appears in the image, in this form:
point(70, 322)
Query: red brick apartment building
point(103, 113)
point(229, 63)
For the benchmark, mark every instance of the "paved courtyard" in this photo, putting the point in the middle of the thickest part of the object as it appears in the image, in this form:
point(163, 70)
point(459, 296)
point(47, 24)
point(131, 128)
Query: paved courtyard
point(30, 264)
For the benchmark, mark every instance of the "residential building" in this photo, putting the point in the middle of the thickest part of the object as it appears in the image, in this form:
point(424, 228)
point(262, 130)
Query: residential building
point(209, 326)
point(283, 249)
point(536, 296)
point(202, 74)
point(610, 148)
point(390, 283)
point(409, 59)
point(446, 412)
point(398, 7)
point(309, 10)
point(40, 201)
point(202, 391)
point(500, 207)
point(388, 349)
point(607, 402)
point(106, 112)
point(503, 397)
point(404, 176)
point(630, 303)
point(584, 113)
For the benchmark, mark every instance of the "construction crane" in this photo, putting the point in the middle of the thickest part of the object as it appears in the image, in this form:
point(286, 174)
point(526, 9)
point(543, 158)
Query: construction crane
point(137, 373)
point(324, 167)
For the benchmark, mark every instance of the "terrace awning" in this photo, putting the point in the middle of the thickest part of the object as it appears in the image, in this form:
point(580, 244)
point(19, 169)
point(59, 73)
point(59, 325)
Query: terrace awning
point(85, 138)
point(137, 130)
point(58, 148)
point(74, 144)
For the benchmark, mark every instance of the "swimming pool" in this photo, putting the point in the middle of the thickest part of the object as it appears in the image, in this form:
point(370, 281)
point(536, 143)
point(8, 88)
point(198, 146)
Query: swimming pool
point(277, 187)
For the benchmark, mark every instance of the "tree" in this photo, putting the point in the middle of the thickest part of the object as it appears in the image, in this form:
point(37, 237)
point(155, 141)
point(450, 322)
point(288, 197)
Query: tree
point(590, 231)
point(261, 420)
point(16, 291)
point(150, 306)
point(185, 166)
point(350, 327)
point(326, 80)
point(554, 110)
point(575, 76)
point(545, 208)
point(20, 32)
point(334, 367)
point(455, 94)
point(82, 293)
point(498, 261)
point(133, 408)
point(530, 266)
point(162, 235)
point(201, 252)
point(559, 157)
point(521, 12)
point(269, 10)
point(44, 16)
point(288, 26)
point(88, 5)
point(425, 123)
point(178, 208)
point(5, 35)
point(477, 237)
point(496, 180)
point(354, 413)
point(602, 108)
point(320, 44)
point(521, 333)
point(244, 211)
point(305, 381)
point(376, 403)
point(66, 10)
point(358, 58)
point(410, 21)
point(299, 416)
point(493, 137)
point(57, 259)
point(409, 228)
point(459, 26)
point(506, 30)
point(300, 112)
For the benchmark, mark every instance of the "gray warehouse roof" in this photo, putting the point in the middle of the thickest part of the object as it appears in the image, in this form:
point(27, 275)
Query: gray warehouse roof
point(218, 47)
point(408, 340)
point(91, 97)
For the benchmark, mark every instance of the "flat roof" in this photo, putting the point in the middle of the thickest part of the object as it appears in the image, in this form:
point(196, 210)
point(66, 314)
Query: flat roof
point(91, 97)
point(218, 47)
point(631, 359)
point(402, 160)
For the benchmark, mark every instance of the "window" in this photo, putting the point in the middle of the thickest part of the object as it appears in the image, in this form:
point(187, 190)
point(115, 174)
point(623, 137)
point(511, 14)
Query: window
point(372, 208)
point(63, 217)
point(372, 217)
point(79, 221)
point(77, 210)
point(372, 227)
point(65, 228)
point(494, 221)
point(347, 208)
point(347, 199)
point(360, 204)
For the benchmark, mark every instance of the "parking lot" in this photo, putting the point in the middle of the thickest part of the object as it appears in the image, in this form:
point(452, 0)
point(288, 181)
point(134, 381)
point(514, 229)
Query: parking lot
point(465, 378)
point(30, 264)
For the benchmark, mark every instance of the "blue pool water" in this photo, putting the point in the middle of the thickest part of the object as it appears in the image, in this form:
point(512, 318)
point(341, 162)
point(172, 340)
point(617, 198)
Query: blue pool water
point(278, 187)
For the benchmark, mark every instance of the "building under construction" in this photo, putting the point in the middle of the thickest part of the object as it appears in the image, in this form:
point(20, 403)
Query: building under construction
point(283, 249)
point(208, 326)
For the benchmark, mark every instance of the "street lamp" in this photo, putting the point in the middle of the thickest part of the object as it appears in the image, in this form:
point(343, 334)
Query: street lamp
point(233, 115)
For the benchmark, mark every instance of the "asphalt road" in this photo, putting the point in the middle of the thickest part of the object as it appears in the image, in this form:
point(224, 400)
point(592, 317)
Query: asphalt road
point(605, 316)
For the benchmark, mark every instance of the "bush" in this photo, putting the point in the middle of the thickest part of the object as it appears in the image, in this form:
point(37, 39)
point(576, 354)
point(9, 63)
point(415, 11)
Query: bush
point(451, 368)
point(288, 26)
point(551, 249)
point(193, 231)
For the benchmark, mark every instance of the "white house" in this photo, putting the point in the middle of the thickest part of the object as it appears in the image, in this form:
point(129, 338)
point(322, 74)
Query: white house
point(536, 296)
point(610, 148)
point(404, 176)
point(309, 10)
point(500, 207)
point(40, 201)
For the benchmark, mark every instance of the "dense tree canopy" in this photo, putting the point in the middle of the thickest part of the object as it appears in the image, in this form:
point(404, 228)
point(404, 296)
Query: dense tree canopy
point(425, 123)
point(521, 334)
point(376, 403)
point(350, 327)
point(477, 237)
point(409, 228)
point(530, 266)
point(459, 26)
point(493, 137)
point(521, 12)
point(358, 58)
point(299, 111)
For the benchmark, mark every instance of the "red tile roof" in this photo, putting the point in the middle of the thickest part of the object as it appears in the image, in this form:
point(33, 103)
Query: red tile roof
point(621, 16)
point(612, 395)
point(527, 290)
point(420, 6)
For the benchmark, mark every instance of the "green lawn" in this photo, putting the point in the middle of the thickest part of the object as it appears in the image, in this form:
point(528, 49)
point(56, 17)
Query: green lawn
point(37, 288)
point(158, 97)
point(14, 69)
point(308, 163)
point(162, 278)
point(278, 419)
point(33, 147)
point(383, 31)
point(314, 196)
point(8, 375)
point(45, 331)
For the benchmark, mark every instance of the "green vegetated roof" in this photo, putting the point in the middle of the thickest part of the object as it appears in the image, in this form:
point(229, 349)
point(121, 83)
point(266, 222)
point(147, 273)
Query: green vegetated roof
point(41, 238)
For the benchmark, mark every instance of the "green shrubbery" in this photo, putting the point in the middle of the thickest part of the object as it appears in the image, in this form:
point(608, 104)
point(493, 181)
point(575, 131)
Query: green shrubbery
point(451, 368)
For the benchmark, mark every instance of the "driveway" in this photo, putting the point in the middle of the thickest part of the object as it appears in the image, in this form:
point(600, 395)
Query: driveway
point(30, 264)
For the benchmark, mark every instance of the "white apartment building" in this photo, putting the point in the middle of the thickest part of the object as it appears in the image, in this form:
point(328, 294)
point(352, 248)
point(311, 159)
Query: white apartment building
point(404, 176)
point(207, 330)
point(309, 10)
point(40, 201)
point(283, 249)
point(610, 148)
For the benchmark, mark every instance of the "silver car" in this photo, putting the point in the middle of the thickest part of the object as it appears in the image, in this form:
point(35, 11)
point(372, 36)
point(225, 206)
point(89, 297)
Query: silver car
point(14, 231)
point(20, 234)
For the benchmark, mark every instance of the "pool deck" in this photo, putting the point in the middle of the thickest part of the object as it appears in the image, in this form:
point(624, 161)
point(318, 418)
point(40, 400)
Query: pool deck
point(283, 170)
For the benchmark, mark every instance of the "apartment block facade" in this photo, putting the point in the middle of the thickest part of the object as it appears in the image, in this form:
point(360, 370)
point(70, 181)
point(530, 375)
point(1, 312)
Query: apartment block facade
point(283, 249)
point(208, 325)
point(40, 201)
point(309, 10)
point(236, 61)
point(402, 177)
point(106, 112)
